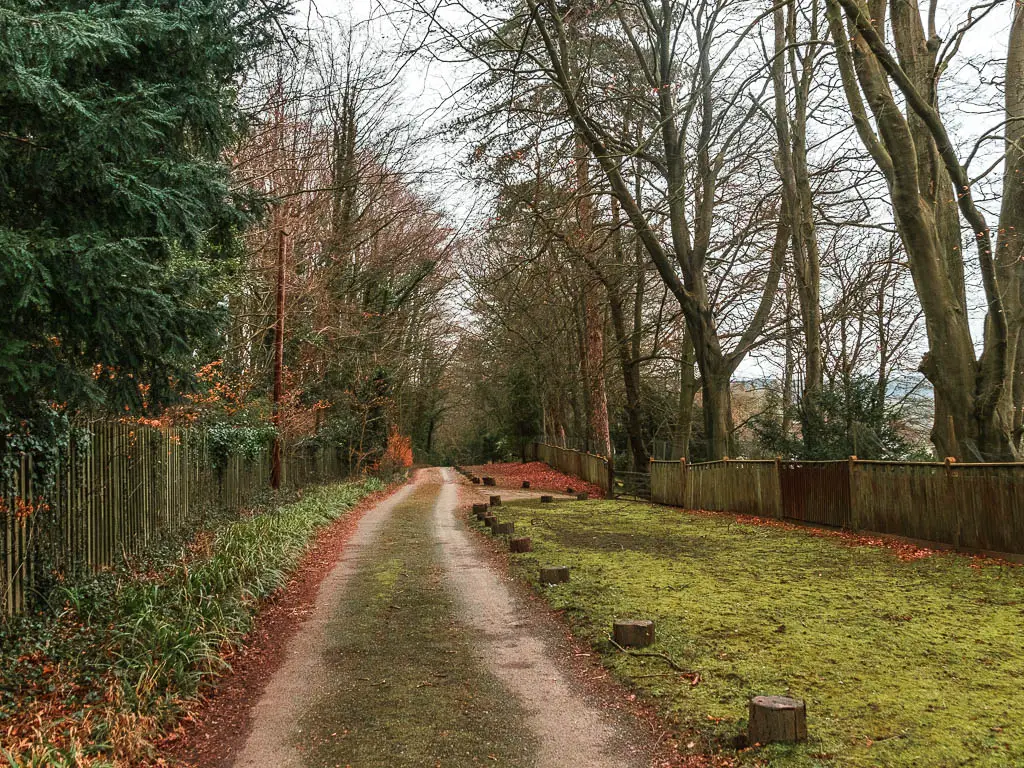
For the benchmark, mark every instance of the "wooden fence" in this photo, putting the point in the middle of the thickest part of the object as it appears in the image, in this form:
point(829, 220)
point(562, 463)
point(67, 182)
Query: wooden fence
point(586, 466)
point(969, 506)
point(972, 506)
point(112, 497)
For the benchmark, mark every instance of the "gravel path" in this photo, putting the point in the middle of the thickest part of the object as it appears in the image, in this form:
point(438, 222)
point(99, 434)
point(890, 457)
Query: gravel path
point(570, 730)
point(303, 673)
point(419, 653)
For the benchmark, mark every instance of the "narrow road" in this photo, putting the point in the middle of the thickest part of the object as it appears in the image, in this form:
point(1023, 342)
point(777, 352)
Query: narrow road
point(419, 654)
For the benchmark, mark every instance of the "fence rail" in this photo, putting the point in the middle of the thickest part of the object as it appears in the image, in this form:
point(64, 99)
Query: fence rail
point(970, 506)
point(586, 466)
point(113, 496)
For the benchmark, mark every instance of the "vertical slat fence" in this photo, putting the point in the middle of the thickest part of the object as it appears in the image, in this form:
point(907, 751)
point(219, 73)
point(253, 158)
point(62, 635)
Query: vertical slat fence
point(972, 506)
point(113, 495)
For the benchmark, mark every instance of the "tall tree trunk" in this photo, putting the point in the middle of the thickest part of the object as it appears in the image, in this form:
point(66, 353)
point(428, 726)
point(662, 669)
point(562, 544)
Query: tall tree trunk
point(927, 184)
point(791, 130)
point(688, 386)
point(1010, 247)
point(593, 316)
point(282, 256)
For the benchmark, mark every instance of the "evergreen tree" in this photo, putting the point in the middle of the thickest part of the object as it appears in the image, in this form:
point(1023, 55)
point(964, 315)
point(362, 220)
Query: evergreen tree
point(115, 206)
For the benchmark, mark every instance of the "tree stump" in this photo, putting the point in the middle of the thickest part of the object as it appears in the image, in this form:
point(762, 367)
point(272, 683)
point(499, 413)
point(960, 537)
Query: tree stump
point(480, 510)
point(582, 496)
point(520, 544)
point(554, 574)
point(776, 718)
point(633, 633)
point(495, 501)
point(570, 490)
point(490, 521)
point(526, 483)
point(503, 529)
point(475, 480)
point(489, 481)
point(546, 499)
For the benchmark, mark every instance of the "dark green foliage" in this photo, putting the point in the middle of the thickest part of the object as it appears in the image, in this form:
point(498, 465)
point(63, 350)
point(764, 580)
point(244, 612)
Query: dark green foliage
point(854, 421)
point(115, 206)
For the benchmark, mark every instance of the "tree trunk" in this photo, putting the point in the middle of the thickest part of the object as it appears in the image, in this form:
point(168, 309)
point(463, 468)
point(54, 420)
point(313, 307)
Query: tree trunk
point(927, 183)
point(688, 386)
point(282, 256)
point(593, 316)
point(799, 206)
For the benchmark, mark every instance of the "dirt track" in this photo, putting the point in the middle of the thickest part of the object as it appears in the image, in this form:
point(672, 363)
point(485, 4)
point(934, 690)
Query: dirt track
point(419, 653)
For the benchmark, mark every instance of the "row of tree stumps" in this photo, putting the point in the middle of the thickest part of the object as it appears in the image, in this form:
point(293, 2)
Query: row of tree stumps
point(771, 719)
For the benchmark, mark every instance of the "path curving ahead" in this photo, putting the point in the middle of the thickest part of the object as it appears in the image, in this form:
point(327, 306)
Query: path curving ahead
point(418, 653)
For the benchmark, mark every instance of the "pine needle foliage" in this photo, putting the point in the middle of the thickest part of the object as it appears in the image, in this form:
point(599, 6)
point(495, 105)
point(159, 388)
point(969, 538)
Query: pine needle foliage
point(115, 203)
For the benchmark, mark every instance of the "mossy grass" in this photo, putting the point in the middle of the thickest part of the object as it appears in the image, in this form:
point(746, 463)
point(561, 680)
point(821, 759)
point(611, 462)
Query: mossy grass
point(96, 683)
point(915, 663)
point(404, 688)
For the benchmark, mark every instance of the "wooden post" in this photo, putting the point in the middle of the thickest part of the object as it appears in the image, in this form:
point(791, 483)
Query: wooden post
point(633, 633)
point(776, 719)
point(526, 483)
point(853, 512)
point(951, 495)
point(503, 529)
point(489, 481)
point(520, 544)
point(480, 510)
point(495, 501)
point(490, 521)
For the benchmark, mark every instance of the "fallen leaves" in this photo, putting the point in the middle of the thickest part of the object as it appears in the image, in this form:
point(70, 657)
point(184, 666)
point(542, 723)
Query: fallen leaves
point(540, 475)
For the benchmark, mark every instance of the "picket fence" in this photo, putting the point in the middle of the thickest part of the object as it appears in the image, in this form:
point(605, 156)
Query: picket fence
point(112, 497)
point(969, 506)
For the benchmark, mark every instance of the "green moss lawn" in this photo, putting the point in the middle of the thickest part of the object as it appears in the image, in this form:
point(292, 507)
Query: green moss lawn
point(917, 663)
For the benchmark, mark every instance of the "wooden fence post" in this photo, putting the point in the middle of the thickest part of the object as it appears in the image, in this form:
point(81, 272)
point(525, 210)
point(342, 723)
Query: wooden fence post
point(778, 484)
point(854, 517)
point(951, 491)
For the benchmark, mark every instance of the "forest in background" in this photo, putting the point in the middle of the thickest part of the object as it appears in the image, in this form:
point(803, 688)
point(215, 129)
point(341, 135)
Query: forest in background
point(697, 228)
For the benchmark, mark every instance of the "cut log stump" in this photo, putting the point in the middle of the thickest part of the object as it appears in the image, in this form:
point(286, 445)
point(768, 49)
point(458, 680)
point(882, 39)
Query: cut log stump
point(489, 481)
point(546, 499)
point(526, 483)
point(495, 501)
point(490, 521)
point(475, 480)
point(775, 719)
point(570, 489)
point(520, 544)
point(480, 510)
point(582, 496)
point(554, 574)
point(633, 633)
point(503, 529)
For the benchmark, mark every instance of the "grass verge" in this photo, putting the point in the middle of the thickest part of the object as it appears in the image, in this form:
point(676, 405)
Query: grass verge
point(403, 688)
point(94, 684)
point(901, 663)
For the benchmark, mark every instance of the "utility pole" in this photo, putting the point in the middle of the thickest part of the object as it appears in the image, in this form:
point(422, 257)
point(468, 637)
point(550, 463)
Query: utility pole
point(282, 258)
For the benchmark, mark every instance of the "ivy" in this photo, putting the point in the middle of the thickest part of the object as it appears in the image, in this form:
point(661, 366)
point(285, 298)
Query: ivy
point(226, 440)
